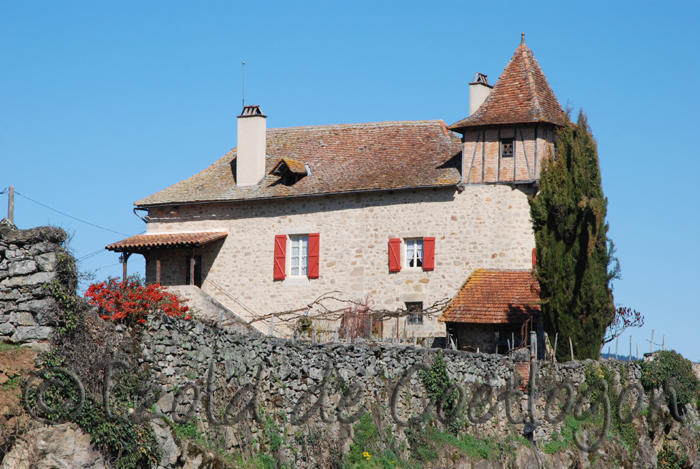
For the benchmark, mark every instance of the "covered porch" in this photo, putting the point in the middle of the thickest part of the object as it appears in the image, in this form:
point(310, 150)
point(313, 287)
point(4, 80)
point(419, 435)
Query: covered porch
point(175, 247)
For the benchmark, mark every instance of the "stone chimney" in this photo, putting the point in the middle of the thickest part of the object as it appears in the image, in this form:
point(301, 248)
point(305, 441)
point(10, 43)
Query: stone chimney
point(479, 90)
point(250, 160)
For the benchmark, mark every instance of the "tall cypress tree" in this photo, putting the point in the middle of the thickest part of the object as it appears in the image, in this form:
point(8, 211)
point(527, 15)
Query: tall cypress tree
point(574, 255)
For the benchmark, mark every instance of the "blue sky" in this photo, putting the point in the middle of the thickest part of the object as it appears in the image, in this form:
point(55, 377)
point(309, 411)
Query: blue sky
point(103, 103)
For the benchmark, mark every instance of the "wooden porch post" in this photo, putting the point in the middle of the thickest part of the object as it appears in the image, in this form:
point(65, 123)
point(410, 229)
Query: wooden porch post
point(158, 267)
point(126, 259)
point(192, 266)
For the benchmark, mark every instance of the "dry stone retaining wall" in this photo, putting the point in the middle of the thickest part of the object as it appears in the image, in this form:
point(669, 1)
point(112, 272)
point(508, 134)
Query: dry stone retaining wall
point(247, 384)
point(28, 265)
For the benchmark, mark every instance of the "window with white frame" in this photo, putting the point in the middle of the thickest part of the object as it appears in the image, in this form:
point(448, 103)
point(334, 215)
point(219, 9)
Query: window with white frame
point(415, 318)
point(414, 252)
point(299, 256)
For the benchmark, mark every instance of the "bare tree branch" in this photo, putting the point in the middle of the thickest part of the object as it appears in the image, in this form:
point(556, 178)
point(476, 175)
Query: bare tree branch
point(624, 318)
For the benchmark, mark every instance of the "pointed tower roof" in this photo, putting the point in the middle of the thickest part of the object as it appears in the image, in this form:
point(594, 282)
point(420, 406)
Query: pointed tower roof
point(521, 95)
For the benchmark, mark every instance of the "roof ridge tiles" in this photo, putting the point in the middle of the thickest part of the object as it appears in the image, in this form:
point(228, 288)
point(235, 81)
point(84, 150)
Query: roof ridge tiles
point(356, 125)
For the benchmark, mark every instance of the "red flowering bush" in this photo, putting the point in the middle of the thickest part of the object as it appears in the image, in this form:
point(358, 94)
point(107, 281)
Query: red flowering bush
point(131, 302)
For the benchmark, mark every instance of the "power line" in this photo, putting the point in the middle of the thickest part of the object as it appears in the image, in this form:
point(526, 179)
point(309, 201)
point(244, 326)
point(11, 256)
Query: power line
point(96, 253)
point(92, 254)
point(105, 266)
point(69, 216)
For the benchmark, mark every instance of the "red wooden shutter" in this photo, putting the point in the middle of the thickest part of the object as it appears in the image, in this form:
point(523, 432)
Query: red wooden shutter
point(429, 253)
point(394, 255)
point(313, 255)
point(534, 258)
point(280, 256)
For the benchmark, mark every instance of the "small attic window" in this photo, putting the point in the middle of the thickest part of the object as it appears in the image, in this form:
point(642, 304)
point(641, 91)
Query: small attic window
point(289, 179)
point(506, 148)
point(290, 171)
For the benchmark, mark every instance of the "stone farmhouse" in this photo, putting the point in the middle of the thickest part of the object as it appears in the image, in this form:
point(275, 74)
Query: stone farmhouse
point(397, 214)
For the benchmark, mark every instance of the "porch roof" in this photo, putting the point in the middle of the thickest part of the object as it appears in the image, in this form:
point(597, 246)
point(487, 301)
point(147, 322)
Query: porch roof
point(146, 242)
point(495, 297)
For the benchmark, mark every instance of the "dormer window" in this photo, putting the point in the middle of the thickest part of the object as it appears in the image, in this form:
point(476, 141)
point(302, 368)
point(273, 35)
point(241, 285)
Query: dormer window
point(290, 171)
point(506, 148)
point(289, 178)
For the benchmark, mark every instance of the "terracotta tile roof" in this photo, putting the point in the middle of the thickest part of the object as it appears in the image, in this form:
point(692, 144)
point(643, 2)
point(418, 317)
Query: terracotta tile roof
point(495, 297)
point(166, 240)
point(294, 166)
point(342, 158)
point(521, 95)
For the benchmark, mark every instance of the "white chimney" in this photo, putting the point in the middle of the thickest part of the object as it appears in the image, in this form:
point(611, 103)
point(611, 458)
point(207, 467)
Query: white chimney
point(479, 90)
point(250, 160)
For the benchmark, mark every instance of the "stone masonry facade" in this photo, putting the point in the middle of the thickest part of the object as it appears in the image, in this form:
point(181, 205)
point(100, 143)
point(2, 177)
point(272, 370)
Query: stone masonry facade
point(481, 226)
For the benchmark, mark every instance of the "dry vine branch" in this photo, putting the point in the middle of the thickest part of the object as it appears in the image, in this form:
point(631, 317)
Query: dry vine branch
point(334, 308)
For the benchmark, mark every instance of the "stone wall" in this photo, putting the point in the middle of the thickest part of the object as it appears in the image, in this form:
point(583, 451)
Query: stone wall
point(249, 385)
point(484, 226)
point(28, 265)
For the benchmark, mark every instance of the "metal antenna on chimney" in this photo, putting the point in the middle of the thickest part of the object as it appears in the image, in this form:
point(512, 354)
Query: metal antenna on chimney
point(243, 84)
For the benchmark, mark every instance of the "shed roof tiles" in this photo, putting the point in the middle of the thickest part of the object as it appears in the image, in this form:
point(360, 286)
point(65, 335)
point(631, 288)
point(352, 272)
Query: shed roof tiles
point(495, 297)
point(166, 240)
point(342, 158)
point(521, 95)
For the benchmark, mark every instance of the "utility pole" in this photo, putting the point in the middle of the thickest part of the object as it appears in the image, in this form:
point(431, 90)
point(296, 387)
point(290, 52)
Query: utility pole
point(11, 205)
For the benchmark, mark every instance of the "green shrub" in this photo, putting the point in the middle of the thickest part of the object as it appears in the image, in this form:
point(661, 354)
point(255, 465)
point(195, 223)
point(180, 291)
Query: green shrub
point(669, 369)
point(554, 446)
point(364, 440)
point(437, 382)
point(265, 461)
point(475, 448)
point(186, 431)
point(272, 432)
point(670, 459)
point(566, 439)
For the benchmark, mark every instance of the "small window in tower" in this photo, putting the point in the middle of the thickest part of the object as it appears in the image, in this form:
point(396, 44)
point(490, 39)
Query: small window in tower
point(506, 147)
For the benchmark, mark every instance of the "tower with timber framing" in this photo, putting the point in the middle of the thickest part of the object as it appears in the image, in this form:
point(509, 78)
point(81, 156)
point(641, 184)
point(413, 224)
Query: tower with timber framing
point(510, 133)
